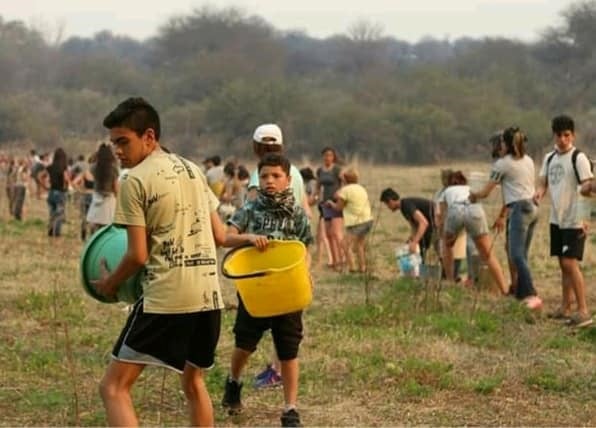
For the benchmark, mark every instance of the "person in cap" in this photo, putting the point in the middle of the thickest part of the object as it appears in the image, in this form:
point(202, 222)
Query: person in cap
point(268, 138)
point(172, 226)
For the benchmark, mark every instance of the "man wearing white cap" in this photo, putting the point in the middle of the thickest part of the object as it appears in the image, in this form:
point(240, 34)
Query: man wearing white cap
point(268, 138)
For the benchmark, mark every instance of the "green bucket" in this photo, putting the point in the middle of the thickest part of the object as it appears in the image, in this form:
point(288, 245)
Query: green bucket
point(110, 243)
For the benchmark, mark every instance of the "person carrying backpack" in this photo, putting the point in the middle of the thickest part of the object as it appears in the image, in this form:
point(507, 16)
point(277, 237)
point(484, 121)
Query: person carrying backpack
point(563, 170)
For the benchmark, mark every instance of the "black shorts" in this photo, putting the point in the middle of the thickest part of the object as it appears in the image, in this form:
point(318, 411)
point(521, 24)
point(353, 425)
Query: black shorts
point(285, 329)
point(567, 242)
point(169, 340)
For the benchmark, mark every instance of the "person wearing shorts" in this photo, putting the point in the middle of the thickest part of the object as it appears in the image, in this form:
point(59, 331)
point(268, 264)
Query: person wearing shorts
point(562, 176)
point(460, 214)
point(176, 322)
point(273, 214)
point(352, 201)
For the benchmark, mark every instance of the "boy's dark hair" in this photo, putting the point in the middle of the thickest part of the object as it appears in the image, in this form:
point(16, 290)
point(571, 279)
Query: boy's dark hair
point(135, 114)
point(275, 159)
point(562, 123)
point(389, 195)
point(243, 173)
point(216, 160)
point(230, 169)
point(332, 150)
point(307, 173)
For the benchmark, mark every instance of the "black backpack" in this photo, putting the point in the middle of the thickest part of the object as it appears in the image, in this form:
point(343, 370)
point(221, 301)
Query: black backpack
point(574, 155)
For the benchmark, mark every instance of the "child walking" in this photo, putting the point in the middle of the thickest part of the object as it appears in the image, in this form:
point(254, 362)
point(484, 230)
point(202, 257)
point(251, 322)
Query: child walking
point(272, 215)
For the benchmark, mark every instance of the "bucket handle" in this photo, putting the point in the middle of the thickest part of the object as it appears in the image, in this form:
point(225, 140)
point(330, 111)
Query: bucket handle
point(225, 272)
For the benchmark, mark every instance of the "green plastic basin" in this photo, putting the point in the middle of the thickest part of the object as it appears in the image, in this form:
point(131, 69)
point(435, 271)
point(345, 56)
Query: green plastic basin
point(110, 243)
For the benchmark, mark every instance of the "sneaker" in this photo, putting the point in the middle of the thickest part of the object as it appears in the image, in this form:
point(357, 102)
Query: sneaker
point(268, 378)
point(534, 303)
point(558, 314)
point(231, 398)
point(580, 320)
point(291, 418)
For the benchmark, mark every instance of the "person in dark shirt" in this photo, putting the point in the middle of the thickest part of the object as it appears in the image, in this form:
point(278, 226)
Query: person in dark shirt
point(419, 213)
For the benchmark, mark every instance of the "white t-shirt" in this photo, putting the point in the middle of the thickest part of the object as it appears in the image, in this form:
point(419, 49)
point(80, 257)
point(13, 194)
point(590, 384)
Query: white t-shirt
point(516, 177)
point(297, 184)
point(215, 174)
point(563, 187)
point(458, 194)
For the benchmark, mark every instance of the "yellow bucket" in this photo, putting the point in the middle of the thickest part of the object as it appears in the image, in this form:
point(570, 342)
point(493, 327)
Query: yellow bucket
point(271, 282)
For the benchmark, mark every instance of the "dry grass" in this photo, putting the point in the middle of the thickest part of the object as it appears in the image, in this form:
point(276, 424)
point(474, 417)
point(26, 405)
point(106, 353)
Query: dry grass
point(408, 357)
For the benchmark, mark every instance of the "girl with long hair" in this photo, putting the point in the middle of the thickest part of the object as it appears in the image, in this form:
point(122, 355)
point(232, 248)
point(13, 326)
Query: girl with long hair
point(515, 173)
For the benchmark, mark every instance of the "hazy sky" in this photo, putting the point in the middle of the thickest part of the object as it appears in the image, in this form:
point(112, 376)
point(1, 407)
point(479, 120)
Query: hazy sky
point(404, 19)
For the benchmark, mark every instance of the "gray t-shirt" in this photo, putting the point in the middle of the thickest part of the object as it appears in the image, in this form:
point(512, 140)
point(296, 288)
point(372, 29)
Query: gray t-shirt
point(330, 180)
point(516, 177)
point(563, 187)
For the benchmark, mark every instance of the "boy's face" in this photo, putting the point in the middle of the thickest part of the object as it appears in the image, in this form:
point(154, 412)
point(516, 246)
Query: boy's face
point(131, 149)
point(273, 179)
point(564, 140)
point(393, 204)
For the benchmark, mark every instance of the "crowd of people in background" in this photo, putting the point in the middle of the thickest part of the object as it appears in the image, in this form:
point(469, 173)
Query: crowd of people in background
point(279, 201)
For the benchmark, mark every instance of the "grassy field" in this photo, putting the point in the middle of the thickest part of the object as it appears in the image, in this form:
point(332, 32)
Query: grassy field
point(378, 350)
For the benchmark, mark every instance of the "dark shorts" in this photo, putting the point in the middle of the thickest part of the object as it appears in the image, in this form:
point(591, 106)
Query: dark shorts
point(169, 340)
point(328, 213)
point(361, 229)
point(285, 329)
point(567, 242)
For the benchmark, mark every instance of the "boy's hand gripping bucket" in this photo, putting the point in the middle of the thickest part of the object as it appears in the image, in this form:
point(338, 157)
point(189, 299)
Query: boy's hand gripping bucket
point(271, 282)
point(110, 243)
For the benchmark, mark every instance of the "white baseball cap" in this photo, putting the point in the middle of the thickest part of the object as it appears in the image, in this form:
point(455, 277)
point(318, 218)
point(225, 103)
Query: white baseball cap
point(269, 131)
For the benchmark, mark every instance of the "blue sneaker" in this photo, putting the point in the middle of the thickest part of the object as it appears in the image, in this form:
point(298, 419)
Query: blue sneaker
point(268, 378)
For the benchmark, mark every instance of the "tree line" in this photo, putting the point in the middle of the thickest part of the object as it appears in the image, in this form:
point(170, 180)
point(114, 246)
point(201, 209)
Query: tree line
point(214, 74)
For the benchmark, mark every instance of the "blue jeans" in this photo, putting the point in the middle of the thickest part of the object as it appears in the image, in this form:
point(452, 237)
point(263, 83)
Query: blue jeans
point(523, 216)
point(56, 201)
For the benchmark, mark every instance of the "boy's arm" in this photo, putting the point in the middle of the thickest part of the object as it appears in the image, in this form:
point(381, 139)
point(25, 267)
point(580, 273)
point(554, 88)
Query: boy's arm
point(540, 190)
point(588, 187)
point(420, 230)
point(135, 257)
point(235, 239)
point(218, 229)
